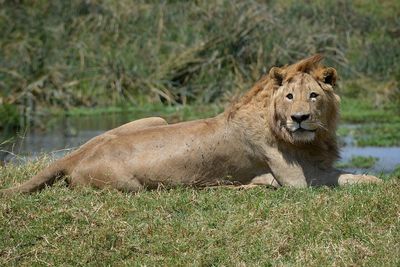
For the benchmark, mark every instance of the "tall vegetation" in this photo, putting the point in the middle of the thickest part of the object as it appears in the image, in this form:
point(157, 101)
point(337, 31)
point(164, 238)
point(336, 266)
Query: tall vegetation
point(104, 52)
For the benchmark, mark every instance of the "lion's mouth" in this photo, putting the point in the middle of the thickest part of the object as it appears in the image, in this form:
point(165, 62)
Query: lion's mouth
point(302, 134)
point(303, 127)
point(302, 130)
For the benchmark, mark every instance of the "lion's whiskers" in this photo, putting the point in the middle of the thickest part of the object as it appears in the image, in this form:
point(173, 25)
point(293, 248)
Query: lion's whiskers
point(322, 125)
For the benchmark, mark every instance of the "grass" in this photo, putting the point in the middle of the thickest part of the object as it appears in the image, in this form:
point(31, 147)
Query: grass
point(359, 162)
point(363, 111)
point(172, 113)
point(356, 225)
point(396, 171)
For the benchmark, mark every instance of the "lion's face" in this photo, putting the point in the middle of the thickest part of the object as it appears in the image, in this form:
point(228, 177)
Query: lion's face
point(303, 108)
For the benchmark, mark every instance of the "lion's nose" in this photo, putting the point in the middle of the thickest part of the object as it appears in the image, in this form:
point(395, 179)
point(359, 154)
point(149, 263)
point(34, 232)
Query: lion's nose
point(299, 117)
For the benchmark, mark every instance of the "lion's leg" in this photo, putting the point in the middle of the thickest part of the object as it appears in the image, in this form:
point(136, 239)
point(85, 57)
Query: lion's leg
point(122, 184)
point(92, 169)
point(337, 177)
point(348, 179)
point(299, 173)
point(266, 179)
point(104, 175)
point(286, 172)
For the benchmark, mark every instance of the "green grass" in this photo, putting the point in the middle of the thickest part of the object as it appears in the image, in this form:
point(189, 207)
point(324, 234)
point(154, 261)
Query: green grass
point(359, 162)
point(396, 171)
point(356, 225)
point(179, 112)
point(363, 111)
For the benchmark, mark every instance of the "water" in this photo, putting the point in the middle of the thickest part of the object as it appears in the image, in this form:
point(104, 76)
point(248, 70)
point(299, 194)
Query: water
point(66, 133)
point(388, 157)
point(59, 136)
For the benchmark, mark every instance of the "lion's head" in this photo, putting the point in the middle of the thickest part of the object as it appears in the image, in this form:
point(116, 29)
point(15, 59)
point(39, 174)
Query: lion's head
point(298, 101)
point(304, 106)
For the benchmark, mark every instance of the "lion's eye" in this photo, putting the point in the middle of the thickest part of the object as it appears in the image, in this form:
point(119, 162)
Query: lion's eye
point(313, 95)
point(289, 96)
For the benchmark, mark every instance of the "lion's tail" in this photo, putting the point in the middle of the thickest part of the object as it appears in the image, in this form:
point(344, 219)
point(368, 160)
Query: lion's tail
point(44, 178)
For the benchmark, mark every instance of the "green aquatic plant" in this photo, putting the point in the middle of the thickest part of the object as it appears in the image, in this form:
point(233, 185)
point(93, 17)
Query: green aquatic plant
point(396, 172)
point(359, 162)
point(373, 134)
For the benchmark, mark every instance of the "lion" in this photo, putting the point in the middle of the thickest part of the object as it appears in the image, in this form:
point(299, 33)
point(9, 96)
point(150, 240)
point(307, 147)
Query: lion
point(282, 132)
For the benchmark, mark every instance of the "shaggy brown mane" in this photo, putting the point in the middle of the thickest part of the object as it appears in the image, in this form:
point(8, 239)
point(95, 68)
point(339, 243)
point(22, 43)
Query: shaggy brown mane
point(262, 84)
point(306, 65)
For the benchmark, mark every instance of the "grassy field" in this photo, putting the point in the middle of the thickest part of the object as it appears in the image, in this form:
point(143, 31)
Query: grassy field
point(358, 225)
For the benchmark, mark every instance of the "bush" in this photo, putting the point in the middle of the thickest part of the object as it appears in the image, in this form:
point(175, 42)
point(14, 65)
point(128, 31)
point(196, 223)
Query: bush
point(85, 53)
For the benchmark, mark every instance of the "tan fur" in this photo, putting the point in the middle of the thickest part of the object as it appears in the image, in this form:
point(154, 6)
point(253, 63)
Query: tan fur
point(258, 140)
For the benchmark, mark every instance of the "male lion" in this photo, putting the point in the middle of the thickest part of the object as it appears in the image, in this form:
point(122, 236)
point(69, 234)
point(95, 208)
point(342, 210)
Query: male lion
point(281, 133)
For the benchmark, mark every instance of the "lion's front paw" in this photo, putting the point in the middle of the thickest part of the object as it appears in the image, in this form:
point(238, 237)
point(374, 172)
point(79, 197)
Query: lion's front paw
point(346, 179)
point(370, 179)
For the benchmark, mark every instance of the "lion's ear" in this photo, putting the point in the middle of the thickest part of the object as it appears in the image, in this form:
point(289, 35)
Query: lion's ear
point(276, 74)
point(329, 76)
